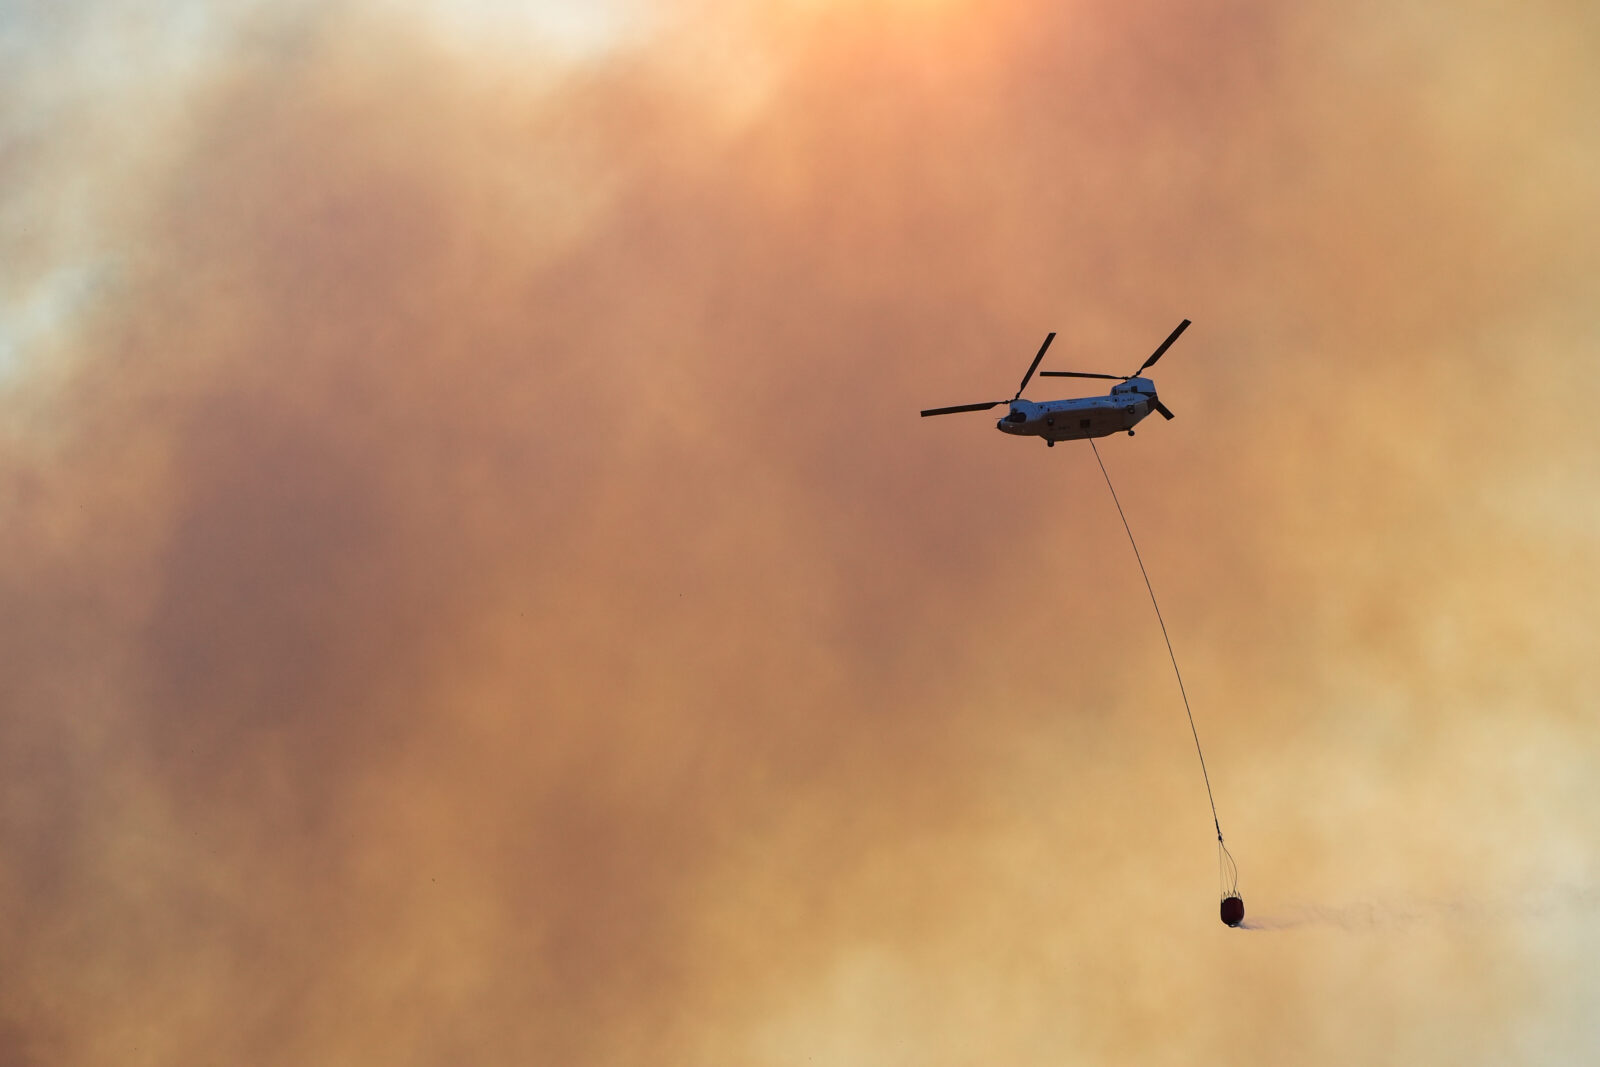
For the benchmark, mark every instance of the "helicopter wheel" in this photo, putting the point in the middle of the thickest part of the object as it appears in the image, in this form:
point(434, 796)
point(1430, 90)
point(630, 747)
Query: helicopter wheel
point(1049, 444)
point(1130, 433)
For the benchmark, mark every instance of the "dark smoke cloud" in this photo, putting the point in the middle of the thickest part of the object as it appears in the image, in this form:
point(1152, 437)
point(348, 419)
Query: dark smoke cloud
point(476, 588)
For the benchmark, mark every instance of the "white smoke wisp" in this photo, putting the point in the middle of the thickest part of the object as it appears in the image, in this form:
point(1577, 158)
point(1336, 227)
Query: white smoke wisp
point(1386, 915)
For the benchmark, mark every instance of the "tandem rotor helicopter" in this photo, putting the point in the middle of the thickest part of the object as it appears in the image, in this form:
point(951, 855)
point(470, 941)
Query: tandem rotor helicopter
point(1081, 417)
point(1088, 417)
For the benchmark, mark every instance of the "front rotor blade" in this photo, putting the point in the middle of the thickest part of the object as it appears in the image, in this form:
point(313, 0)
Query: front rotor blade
point(1034, 365)
point(1159, 406)
point(1081, 374)
point(964, 407)
point(1158, 353)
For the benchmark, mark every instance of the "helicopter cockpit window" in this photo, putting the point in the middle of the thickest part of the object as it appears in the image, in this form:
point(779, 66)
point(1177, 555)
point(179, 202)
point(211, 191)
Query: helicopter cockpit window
point(1017, 416)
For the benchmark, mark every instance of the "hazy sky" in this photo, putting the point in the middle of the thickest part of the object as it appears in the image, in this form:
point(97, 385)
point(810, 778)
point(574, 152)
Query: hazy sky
point(475, 587)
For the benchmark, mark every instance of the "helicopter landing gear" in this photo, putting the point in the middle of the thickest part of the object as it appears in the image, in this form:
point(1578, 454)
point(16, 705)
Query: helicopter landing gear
point(1130, 433)
point(1049, 444)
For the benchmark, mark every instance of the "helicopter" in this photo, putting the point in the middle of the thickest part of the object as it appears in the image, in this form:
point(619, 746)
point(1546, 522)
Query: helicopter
point(1081, 417)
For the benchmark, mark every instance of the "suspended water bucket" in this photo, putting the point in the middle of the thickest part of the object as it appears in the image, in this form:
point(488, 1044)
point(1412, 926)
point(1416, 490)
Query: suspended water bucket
point(1227, 870)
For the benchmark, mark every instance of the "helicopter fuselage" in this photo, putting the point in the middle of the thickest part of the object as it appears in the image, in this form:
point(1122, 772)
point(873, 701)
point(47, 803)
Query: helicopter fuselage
point(1081, 417)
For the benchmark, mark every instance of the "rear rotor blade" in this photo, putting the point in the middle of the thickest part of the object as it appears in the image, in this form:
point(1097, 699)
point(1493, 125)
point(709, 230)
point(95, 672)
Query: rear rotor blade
point(1162, 408)
point(1158, 353)
point(1034, 365)
point(1082, 374)
point(964, 407)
